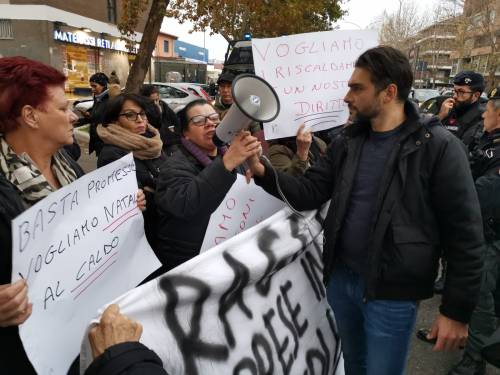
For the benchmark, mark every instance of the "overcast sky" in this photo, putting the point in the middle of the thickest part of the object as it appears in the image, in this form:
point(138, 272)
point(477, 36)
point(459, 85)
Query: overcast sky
point(360, 13)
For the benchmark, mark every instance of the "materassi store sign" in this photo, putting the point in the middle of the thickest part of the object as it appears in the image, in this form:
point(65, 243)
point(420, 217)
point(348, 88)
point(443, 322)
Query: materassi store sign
point(80, 37)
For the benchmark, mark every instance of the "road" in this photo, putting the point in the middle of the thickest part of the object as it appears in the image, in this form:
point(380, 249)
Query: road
point(422, 360)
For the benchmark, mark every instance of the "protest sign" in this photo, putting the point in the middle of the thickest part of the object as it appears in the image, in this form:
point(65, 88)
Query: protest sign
point(79, 248)
point(254, 304)
point(244, 206)
point(309, 73)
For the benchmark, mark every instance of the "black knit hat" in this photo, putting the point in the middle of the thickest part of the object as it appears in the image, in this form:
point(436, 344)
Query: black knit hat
point(469, 78)
point(226, 77)
point(99, 78)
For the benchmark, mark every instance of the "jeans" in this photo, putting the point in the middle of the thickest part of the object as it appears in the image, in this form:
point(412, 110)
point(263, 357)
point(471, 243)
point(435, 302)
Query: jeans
point(375, 334)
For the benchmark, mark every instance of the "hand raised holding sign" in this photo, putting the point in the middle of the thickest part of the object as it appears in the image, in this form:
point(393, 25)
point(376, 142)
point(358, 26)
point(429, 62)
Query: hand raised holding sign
point(304, 140)
point(141, 200)
point(14, 305)
point(114, 328)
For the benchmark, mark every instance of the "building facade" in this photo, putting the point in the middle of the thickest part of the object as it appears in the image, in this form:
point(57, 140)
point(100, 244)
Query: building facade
point(430, 52)
point(480, 41)
point(78, 37)
point(178, 61)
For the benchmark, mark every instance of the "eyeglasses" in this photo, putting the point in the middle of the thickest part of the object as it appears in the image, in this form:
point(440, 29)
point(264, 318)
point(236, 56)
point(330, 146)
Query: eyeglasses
point(133, 116)
point(462, 92)
point(200, 120)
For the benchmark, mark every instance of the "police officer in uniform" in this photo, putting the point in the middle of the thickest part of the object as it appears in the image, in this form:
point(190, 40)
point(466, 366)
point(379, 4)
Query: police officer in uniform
point(485, 164)
point(461, 114)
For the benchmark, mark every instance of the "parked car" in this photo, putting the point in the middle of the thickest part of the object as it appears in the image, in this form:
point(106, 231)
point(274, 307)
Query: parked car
point(194, 88)
point(175, 96)
point(421, 95)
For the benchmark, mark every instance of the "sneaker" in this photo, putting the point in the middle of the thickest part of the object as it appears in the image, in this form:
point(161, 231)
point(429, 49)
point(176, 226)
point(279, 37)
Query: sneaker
point(469, 366)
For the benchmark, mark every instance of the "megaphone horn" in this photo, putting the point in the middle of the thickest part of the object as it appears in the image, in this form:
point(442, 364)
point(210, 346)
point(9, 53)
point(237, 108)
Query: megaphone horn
point(253, 100)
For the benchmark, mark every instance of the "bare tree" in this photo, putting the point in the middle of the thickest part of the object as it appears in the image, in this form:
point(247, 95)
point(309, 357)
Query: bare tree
point(397, 27)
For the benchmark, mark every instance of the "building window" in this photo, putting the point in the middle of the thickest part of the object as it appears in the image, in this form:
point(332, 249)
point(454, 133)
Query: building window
point(112, 11)
point(165, 46)
point(6, 29)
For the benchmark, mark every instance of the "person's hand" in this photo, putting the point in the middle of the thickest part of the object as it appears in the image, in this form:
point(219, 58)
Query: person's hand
point(242, 147)
point(114, 328)
point(141, 200)
point(14, 305)
point(446, 108)
point(303, 140)
point(450, 334)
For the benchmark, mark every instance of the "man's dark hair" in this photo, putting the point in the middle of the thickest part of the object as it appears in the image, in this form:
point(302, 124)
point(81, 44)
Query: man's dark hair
point(147, 90)
point(387, 65)
point(115, 105)
point(183, 117)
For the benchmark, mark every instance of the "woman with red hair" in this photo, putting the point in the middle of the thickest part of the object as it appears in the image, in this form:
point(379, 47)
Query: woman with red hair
point(35, 123)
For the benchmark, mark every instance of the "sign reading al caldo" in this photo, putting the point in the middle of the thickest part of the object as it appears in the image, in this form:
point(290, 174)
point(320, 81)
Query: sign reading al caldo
point(79, 248)
point(310, 73)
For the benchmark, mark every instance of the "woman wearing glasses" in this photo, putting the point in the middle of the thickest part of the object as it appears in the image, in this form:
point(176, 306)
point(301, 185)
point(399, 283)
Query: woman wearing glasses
point(194, 181)
point(126, 129)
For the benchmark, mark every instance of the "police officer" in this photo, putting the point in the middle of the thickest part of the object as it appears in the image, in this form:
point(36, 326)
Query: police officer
point(225, 98)
point(485, 162)
point(461, 114)
point(485, 155)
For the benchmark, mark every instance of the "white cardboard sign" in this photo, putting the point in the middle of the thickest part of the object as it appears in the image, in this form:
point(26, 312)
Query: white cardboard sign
point(79, 248)
point(309, 73)
point(244, 206)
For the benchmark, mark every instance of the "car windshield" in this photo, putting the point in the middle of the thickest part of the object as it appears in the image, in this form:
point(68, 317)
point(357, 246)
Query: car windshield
point(423, 94)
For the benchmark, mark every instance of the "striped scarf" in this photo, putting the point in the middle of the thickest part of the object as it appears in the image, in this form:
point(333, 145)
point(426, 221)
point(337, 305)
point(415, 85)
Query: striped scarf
point(25, 176)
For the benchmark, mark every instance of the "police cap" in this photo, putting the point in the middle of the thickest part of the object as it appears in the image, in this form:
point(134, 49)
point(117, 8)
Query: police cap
point(469, 78)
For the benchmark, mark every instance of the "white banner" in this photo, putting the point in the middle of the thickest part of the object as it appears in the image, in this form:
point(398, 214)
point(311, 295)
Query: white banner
point(310, 73)
point(77, 249)
point(244, 206)
point(253, 305)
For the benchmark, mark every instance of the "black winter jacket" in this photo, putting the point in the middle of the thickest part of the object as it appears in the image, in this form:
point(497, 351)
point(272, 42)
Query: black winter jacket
point(186, 195)
point(128, 358)
point(147, 172)
point(466, 125)
point(427, 202)
point(13, 359)
point(96, 118)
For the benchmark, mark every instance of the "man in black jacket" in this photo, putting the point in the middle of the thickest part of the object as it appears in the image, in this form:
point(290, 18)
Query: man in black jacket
point(462, 114)
point(400, 190)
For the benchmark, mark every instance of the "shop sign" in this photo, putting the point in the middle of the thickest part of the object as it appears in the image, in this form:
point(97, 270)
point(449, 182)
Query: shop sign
point(83, 38)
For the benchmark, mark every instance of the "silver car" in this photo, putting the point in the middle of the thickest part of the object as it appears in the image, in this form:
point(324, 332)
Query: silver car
point(175, 96)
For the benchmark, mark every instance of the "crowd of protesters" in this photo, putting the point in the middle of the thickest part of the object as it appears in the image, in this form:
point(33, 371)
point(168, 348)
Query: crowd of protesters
point(406, 190)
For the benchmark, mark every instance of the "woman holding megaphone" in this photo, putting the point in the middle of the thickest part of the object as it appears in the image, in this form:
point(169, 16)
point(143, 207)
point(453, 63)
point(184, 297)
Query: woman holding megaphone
point(194, 181)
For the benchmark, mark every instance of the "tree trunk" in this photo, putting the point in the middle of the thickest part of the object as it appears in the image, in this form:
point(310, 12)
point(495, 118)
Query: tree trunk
point(142, 60)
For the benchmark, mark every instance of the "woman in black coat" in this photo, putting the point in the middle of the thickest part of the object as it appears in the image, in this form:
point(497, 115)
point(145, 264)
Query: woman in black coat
point(162, 118)
point(194, 181)
point(126, 129)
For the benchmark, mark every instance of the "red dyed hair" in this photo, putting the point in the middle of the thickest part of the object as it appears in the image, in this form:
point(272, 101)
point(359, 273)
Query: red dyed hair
point(23, 82)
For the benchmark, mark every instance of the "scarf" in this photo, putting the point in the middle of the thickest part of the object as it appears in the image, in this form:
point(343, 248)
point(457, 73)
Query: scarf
point(27, 178)
point(198, 154)
point(144, 148)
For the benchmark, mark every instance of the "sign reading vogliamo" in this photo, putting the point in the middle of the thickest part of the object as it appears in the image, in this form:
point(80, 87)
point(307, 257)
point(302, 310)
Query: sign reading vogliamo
point(89, 40)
